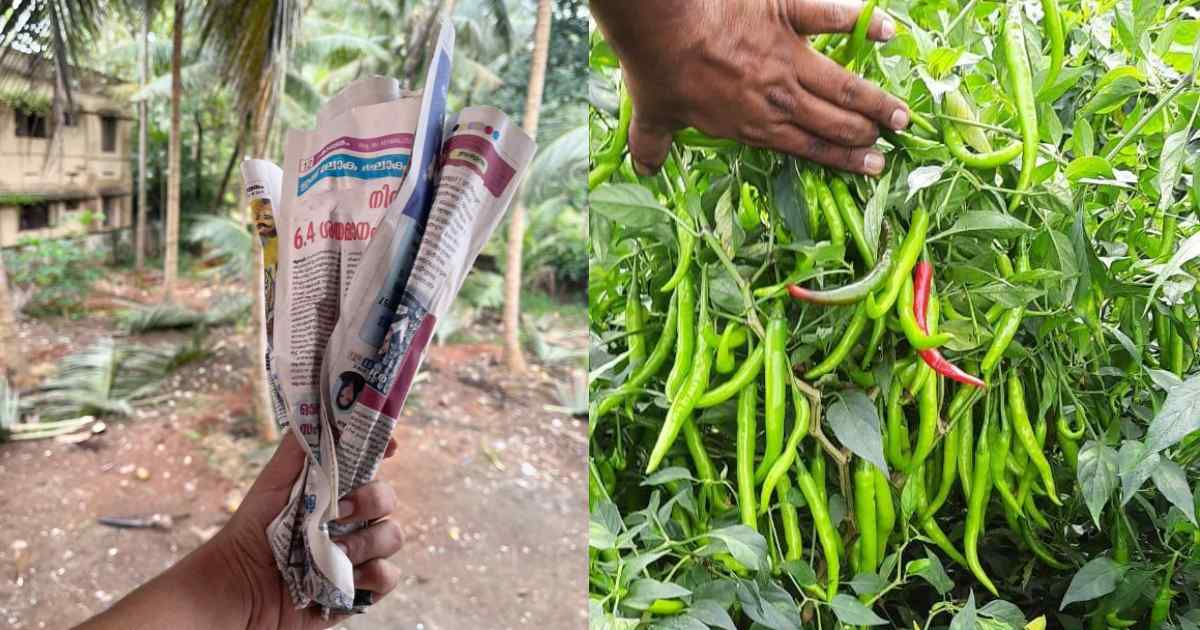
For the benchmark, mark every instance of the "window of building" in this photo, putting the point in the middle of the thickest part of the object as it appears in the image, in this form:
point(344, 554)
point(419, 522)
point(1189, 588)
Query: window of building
point(108, 134)
point(35, 216)
point(30, 124)
point(72, 204)
point(112, 210)
point(71, 119)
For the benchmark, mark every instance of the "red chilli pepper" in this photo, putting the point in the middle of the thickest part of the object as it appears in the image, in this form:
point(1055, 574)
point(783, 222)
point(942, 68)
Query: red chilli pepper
point(922, 279)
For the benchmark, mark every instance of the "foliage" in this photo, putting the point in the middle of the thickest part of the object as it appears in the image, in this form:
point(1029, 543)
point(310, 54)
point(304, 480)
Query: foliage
point(56, 272)
point(108, 378)
point(227, 245)
point(28, 101)
point(141, 318)
point(1108, 343)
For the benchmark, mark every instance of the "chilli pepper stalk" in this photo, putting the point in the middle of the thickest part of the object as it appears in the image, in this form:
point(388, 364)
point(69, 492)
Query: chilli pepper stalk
point(1020, 78)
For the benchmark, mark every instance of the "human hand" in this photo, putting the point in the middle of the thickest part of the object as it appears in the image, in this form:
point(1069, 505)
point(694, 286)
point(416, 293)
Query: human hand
point(231, 581)
point(242, 543)
point(743, 69)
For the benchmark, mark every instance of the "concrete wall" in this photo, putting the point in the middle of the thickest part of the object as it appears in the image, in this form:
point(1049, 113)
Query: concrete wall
point(69, 167)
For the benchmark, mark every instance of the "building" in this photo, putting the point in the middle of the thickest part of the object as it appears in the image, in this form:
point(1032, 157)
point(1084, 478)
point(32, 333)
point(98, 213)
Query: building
point(66, 181)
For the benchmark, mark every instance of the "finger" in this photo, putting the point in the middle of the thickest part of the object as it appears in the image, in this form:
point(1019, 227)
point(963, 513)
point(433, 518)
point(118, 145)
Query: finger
point(821, 117)
point(648, 145)
point(377, 576)
point(823, 77)
point(369, 501)
point(284, 467)
point(391, 448)
point(381, 540)
point(798, 142)
point(812, 17)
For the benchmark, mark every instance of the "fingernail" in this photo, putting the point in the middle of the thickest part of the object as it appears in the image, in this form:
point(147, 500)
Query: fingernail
point(873, 163)
point(888, 29)
point(342, 547)
point(900, 119)
point(641, 169)
point(345, 508)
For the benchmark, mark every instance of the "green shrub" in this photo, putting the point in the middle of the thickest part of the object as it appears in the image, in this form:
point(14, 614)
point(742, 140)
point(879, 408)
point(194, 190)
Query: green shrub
point(58, 272)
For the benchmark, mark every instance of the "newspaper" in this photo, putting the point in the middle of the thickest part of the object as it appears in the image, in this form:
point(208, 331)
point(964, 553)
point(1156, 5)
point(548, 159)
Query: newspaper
point(383, 210)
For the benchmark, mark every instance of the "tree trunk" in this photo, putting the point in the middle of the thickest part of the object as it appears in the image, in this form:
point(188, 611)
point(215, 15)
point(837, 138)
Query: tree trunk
point(234, 158)
point(198, 159)
point(514, 358)
point(173, 159)
point(8, 362)
point(139, 235)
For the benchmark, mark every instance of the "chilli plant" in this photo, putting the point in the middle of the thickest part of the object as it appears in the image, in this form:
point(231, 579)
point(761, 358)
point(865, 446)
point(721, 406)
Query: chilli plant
point(964, 393)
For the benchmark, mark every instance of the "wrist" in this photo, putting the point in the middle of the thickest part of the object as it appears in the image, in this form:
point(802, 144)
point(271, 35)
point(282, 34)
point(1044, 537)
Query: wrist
point(217, 585)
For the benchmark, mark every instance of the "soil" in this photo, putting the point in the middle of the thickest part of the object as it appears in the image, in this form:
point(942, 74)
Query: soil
point(490, 477)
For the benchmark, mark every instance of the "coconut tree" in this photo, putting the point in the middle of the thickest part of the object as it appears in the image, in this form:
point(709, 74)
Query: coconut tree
point(171, 245)
point(514, 357)
point(7, 326)
point(250, 41)
point(139, 237)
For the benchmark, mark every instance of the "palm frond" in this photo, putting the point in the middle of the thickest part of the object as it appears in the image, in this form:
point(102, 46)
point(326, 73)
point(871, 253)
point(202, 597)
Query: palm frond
point(104, 379)
point(559, 166)
point(227, 243)
point(248, 37)
point(194, 76)
point(140, 318)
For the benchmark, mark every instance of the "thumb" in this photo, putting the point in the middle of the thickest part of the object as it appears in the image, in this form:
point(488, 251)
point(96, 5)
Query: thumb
point(648, 144)
point(284, 467)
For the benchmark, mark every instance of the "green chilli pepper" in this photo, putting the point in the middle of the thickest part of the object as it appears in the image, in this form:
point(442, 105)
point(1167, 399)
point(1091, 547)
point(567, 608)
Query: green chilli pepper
point(687, 240)
point(827, 535)
point(733, 336)
point(864, 515)
point(990, 159)
point(858, 37)
point(685, 401)
point(902, 266)
point(1054, 34)
point(685, 330)
point(775, 389)
point(635, 323)
point(896, 444)
point(608, 160)
point(853, 292)
point(829, 210)
point(927, 412)
point(748, 202)
point(885, 512)
point(1020, 419)
point(981, 490)
point(747, 431)
point(928, 523)
point(1162, 602)
point(791, 521)
point(745, 374)
point(650, 366)
point(1016, 61)
point(1006, 330)
point(854, 330)
point(784, 461)
point(852, 218)
point(1000, 440)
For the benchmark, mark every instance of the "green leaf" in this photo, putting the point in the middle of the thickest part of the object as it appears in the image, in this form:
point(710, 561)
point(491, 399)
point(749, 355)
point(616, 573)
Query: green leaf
point(729, 232)
point(801, 572)
point(789, 201)
point(931, 570)
point(1112, 96)
point(1171, 481)
point(1188, 250)
point(1170, 165)
point(678, 622)
point(856, 425)
point(1004, 611)
point(604, 521)
point(965, 618)
point(852, 612)
point(1066, 80)
point(1097, 474)
point(747, 546)
point(867, 584)
point(667, 475)
point(643, 592)
point(1094, 579)
point(873, 212)
point(711, 613)
point(999, 224)
point(922, 177)
point(1179, 416)
point(760, 608)
point(1088, 166)
point(1134, 466)
point(1083, 137)
point(627, 204)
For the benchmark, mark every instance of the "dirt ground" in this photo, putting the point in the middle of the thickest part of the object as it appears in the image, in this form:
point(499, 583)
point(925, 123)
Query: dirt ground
point(490, 475)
